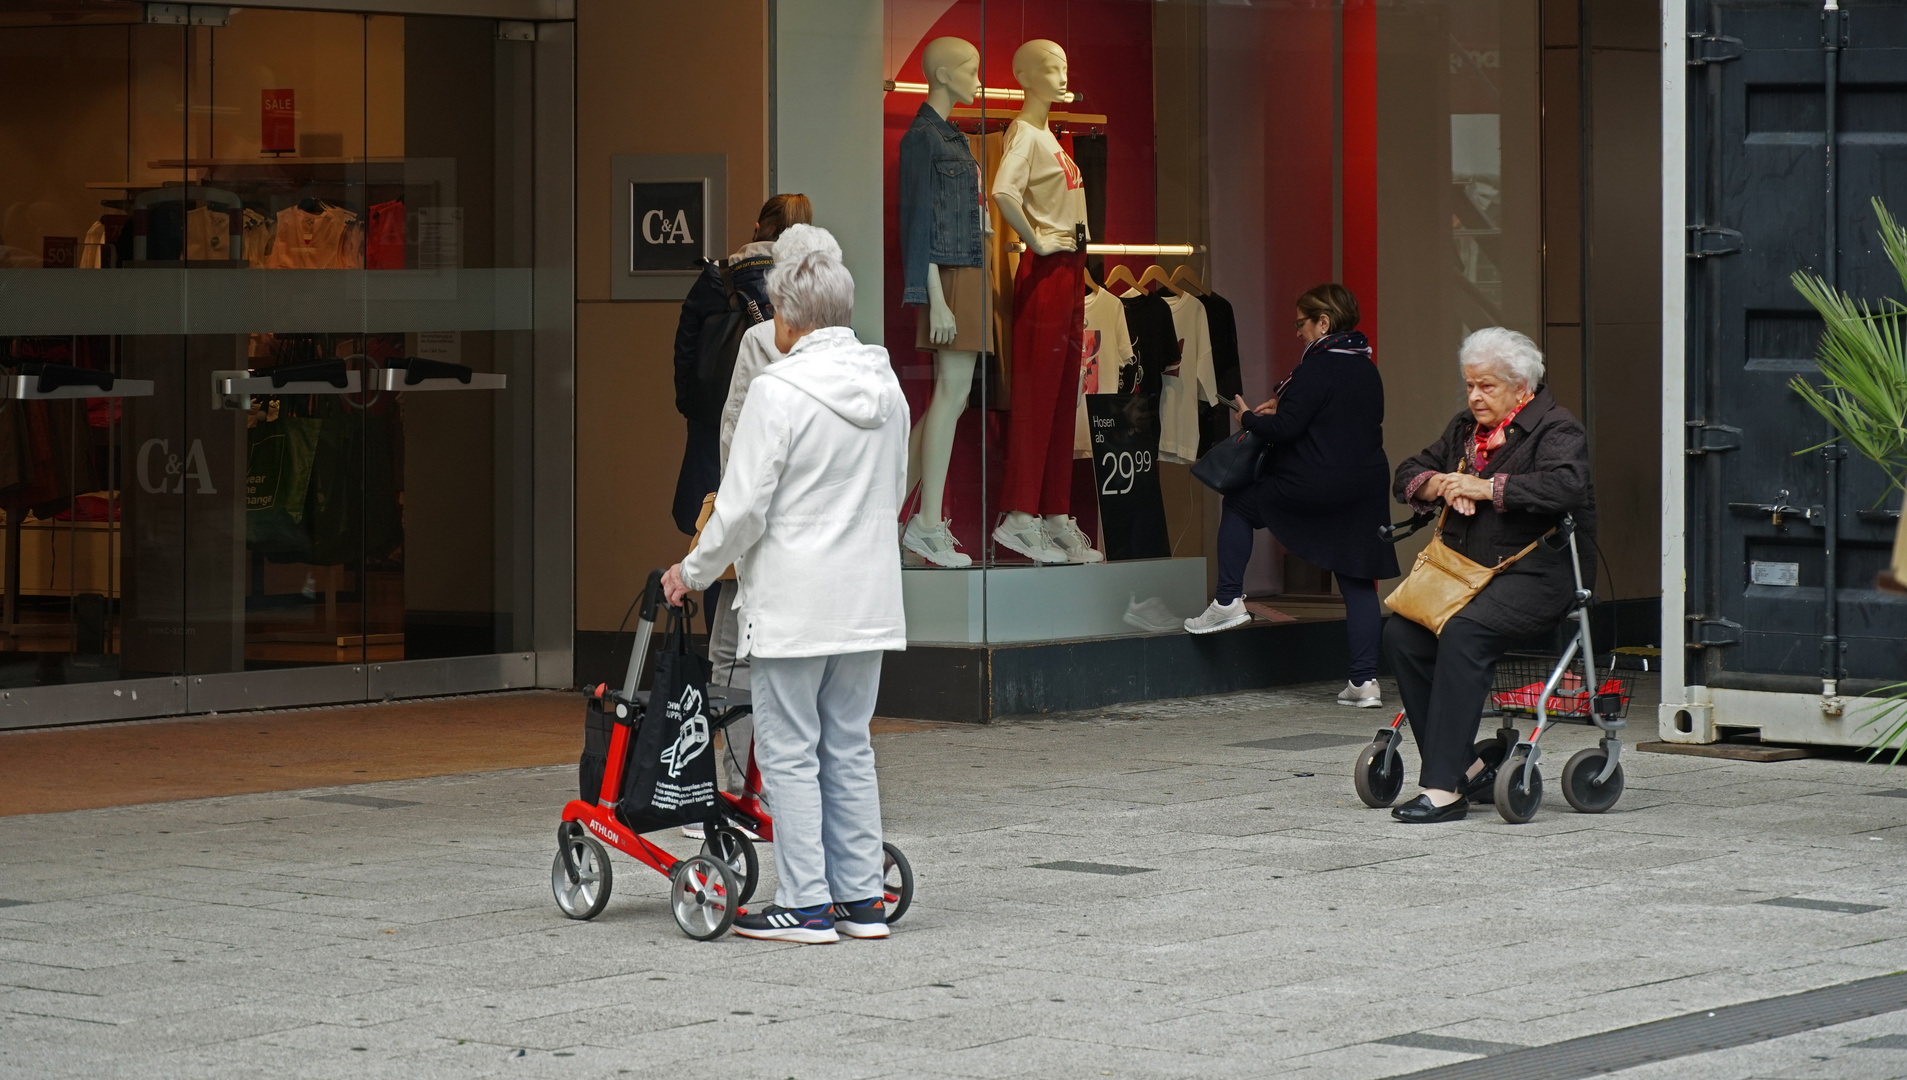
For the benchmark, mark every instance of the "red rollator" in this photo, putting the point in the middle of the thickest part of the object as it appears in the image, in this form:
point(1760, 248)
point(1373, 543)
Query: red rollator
point(707, 889)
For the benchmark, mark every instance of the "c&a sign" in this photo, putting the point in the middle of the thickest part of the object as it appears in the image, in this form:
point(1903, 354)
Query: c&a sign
point(668, 224)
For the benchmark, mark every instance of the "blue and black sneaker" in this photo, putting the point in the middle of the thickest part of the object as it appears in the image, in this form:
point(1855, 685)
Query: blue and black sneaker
point(809, 926)
point(862, 918)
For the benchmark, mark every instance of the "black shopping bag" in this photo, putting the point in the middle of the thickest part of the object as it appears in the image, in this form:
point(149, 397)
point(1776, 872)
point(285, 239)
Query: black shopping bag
point(672, 769)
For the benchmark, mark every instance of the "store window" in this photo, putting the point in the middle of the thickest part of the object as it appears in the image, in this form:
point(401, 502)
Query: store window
point(265, 311)
point(1182, 172)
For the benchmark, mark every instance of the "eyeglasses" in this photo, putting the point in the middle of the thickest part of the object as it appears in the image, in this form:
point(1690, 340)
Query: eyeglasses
point(1299, 324)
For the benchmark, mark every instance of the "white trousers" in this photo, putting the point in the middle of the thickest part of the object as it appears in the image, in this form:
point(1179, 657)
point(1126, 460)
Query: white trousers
point(817, 764)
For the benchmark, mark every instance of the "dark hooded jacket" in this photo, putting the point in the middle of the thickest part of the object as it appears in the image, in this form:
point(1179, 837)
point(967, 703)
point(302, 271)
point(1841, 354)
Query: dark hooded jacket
point(1545, 465)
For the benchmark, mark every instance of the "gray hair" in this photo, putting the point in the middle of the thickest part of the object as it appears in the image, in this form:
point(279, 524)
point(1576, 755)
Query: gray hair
point(808, 285)
point(1505, 352)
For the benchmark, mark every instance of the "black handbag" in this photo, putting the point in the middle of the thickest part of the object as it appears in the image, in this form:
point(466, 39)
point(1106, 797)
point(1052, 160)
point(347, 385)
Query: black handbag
point(1234, 464)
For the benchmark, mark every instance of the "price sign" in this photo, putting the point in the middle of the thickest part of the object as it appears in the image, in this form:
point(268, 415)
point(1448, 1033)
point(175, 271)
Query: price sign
point(277, 122)
point(1125, 443)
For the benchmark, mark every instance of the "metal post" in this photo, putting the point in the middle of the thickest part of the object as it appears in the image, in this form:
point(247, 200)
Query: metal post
point(1832, 22)
point(1586, 215)
point(1712, 358)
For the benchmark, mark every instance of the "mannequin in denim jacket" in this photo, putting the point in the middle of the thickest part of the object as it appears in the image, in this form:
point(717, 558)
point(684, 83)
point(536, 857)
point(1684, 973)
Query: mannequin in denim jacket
point(952, 70)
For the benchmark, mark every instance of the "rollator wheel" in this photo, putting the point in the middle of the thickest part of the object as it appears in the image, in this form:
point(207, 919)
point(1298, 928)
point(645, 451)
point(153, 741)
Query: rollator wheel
point(1579, 781)
point(730, 846)
point(580, 876)
point(1490, 752)
point(1516, 801)
point(1377, 787)
point(897, 882)
point(702, 895)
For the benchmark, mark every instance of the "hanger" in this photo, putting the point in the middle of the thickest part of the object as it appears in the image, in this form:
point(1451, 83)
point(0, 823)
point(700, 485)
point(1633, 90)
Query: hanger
point(1155, 275)
point(1121, 272)
point(1187, 279)
point(1091, 285)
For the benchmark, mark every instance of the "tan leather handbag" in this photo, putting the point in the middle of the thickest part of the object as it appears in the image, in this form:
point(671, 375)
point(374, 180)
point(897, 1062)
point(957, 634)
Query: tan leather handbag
point(701, 522)
point(1442, 581)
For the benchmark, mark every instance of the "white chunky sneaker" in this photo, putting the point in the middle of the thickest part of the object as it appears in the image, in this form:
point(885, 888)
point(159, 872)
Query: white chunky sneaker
point(1364, 695)
point(934, 543)
point(1066, 535)
point(1151, 615)
point(1219, 617)
point(1029, 540)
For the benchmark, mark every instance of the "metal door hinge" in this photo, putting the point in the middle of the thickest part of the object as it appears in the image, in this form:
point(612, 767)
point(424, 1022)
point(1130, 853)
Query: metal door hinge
point(1827, 33)
point(1712, 49)
point(1706, 438)
point(1706, 631)
point(1705, 241)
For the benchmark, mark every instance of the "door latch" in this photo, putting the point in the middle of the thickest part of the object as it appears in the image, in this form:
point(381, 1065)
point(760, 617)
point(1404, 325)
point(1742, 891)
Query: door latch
point(1779, 510)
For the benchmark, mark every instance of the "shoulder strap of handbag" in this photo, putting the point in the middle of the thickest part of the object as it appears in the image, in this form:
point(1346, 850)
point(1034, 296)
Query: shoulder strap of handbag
point(1505, 564)
point(735, 293)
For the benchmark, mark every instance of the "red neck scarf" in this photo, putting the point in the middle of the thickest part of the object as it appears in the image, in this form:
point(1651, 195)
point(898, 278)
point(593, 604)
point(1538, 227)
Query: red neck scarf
point(1488, 440)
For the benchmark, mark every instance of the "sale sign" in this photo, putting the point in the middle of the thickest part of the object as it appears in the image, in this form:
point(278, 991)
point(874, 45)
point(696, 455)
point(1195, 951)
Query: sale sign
point(277, 125)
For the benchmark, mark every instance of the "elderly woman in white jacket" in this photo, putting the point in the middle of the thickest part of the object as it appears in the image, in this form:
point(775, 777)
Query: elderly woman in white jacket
point(808, 513)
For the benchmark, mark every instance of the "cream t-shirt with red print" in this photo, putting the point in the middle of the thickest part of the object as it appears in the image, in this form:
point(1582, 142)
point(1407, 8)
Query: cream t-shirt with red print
point(1037, 171)
point(1105, 349)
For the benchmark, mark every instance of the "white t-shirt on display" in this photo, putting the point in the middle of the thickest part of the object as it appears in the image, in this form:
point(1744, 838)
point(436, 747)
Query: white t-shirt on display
point(1186, 383)
point(1105, 350)
point(1037, 171)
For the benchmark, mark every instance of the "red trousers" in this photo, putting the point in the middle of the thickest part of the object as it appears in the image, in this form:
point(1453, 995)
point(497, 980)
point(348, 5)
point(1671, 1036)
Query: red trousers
point(1049, 319)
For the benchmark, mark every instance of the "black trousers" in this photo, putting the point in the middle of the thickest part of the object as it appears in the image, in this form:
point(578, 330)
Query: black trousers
point(1443, 681)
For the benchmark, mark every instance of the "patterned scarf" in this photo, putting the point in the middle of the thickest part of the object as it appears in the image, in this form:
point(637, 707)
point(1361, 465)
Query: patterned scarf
point(1487, 440)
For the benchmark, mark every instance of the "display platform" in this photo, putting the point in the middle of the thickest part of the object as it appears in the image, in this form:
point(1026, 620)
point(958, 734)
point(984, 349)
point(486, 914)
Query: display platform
point(978, 683)
point(1016, 604)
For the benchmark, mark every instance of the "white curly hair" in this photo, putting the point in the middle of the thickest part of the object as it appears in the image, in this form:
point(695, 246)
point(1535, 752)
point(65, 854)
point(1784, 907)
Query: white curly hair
point(808, 285)
point(1504, 352)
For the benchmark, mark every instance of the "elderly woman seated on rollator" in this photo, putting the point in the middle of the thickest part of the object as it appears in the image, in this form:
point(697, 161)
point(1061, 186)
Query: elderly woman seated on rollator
point(1504, 472)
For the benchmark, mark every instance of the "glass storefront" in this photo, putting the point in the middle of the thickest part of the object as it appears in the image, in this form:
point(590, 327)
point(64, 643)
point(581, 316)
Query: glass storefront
point(265, 306)
point(1213, 161)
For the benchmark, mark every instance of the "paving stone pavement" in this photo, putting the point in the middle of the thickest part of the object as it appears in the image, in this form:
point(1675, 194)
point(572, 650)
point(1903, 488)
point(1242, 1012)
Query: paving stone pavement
point(1281, 929)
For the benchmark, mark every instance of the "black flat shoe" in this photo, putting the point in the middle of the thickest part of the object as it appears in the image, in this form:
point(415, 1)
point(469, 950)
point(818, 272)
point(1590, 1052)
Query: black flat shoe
point(1421, 811)
point(1480, 788)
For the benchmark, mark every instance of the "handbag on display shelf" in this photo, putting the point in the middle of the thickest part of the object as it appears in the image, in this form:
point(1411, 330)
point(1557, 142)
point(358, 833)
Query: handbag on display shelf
point(1443, 581)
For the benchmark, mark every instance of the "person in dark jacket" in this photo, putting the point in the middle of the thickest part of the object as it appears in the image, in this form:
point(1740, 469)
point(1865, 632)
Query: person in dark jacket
point(1503, 473)
point(708, 297)
point(1323, 495)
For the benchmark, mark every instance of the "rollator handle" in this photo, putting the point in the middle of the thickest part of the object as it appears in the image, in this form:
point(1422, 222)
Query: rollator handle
point(652, 596)
point(1558, 538)
point(1391, 534)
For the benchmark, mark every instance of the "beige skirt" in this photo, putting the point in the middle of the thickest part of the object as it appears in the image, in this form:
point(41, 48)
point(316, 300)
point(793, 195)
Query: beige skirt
point(964, 289)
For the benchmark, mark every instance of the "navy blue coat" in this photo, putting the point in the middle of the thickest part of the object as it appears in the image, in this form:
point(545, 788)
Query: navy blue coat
point(1327, 490)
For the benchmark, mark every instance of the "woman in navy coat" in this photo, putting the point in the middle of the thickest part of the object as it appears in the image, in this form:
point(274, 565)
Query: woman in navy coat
point(1327, 490)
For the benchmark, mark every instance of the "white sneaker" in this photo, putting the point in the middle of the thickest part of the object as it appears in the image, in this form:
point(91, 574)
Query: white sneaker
point(1219, 617)
point(936, 544)
point(1151, 615)
point(1067, 536)
point(1364, 695)
point(693, 832)
point(1031, 541)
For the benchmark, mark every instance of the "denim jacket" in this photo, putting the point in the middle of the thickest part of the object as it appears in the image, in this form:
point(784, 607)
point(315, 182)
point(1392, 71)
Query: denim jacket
point(940, 201)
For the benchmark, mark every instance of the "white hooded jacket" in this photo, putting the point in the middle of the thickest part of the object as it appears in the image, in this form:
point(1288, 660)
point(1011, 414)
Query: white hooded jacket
point(809, 507)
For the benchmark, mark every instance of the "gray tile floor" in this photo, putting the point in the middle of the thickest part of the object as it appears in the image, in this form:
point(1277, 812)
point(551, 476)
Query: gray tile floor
point(1280, 928)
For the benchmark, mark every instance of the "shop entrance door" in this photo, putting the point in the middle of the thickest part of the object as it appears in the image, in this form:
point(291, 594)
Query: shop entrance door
point(295, 248)
point(1786, 541)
